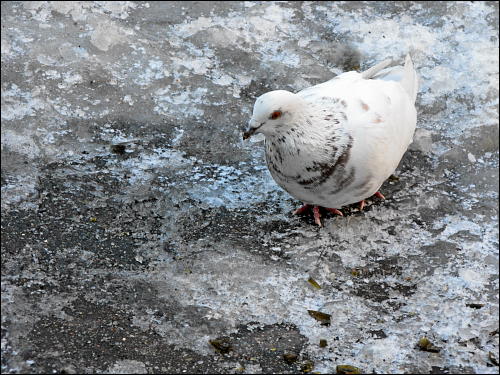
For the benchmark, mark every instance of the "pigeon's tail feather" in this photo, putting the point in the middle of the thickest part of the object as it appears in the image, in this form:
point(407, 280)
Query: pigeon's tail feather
point(406, 75)
point(370, 73)
point(410, 79)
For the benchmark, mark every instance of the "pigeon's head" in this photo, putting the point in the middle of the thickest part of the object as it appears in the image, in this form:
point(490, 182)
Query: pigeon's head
point(272, 112)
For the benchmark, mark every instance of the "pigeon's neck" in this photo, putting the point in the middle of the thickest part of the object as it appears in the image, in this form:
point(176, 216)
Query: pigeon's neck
point(308, 126)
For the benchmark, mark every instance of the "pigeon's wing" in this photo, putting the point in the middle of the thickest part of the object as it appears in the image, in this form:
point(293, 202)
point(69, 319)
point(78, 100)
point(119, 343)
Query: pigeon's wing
point(378, 111)
point(324, 87)
point(370, 73)
point(328, 88)
point(405, 75)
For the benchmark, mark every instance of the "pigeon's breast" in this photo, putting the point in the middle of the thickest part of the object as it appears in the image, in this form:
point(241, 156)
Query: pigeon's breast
point(318, 172)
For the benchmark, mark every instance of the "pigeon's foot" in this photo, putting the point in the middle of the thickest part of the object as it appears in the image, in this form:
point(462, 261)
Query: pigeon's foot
point(334, 211)
point(301, 210)
point(316, 212)
point(362, 203)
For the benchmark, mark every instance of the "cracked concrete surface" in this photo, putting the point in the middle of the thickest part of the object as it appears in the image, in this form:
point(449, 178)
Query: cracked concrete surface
point(137, 225)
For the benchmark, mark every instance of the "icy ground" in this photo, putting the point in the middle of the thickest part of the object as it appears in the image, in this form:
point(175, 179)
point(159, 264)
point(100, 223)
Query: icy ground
point(137, 226)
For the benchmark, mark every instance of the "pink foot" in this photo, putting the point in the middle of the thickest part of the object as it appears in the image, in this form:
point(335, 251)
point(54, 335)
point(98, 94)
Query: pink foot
point(334, 211)
point(362, 205)
point(317, 216)
point(316, 212)
point(301, 210)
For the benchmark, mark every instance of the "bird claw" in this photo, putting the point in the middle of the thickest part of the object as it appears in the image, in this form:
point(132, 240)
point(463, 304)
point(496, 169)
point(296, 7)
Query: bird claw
point(301, 210)
point(334, 211)
point(316, 212)
point(317, 216)
point(362, 205)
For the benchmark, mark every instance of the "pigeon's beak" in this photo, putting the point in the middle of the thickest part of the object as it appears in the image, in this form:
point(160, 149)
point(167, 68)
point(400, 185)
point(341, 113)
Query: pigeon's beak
point(249, 132)
point(252, 128)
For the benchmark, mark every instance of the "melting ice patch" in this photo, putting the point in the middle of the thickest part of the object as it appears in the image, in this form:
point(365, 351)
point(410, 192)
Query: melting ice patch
point(107, 34)
point(285, 57)
point(183, 102)
point(219, 185)
point(118, 9)
point(21, 143)
point(212, 185)
point(189, 28)
point(146, 166)
point(178, 136)
point(52, 74)
point(473, 279)
point(40, 10)
point(197, 65)
point(18, 104)
point(260, 25)
point(454, 224)
point(70, 80)
point(153, 71)
point(128, 99)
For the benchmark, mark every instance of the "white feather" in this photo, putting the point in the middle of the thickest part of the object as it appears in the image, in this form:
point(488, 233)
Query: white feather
point(337, 142)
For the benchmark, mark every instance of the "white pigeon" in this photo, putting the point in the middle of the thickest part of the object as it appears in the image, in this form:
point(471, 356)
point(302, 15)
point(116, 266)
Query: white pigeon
point(335, 143)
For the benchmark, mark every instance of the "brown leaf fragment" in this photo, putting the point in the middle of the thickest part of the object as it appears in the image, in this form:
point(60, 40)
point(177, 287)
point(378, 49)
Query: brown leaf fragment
point(492, 358)
point(118, 149)
point(321, 317)
point(356, 272)
point(347, 369)
point(290, 357)
point(222, 344)
point(427, 346)
point(313, 283)
point(307, 366)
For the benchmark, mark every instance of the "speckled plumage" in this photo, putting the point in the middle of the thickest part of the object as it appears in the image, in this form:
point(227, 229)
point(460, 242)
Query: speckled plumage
point(335, 143)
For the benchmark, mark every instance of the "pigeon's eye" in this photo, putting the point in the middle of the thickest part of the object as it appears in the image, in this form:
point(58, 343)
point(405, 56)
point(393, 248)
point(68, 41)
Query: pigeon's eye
point(275, 115)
